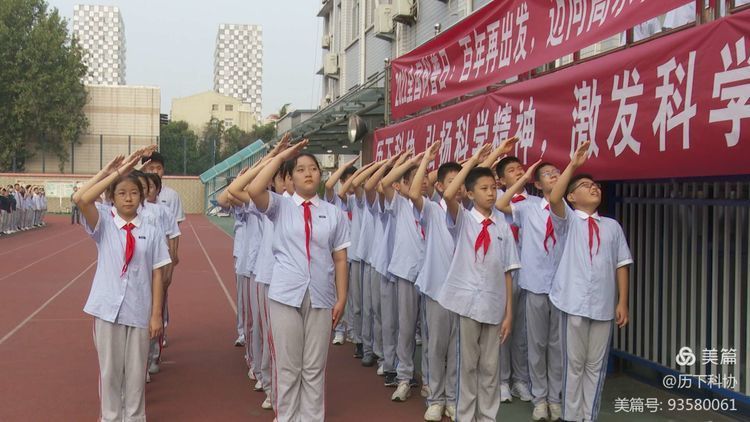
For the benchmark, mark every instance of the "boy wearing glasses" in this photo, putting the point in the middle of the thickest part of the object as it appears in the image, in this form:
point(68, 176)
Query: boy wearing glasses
point(590, 287)
point(540, 251)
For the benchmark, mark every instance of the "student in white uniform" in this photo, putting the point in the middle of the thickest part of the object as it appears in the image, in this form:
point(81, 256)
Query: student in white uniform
point(540, 254)
point(479, 289)
point(439, 326)
point(127, 293)
point(406, 261)
point(308, 291)
point(364, 247)
point(236, 209)
point(171, 199)
point(352, 203)
point(262, 271)
point(381, 257)
point(590, 287)
point(163, 217)
point(514, 364)
point(342, 174)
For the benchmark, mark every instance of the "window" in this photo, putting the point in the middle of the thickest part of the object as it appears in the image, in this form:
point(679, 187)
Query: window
point(228, 123)
point(370, 13)
point(354, 20)
point(214, 107)
point(228, 107)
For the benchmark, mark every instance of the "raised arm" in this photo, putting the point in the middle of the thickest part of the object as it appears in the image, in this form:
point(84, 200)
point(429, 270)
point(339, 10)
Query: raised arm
point(450, 192)
point(336, 176)
point(372, 183)
point(415, 191)
point(556, 203)
point(112, 166)
point(87, 202)
point(258, 187)
point(503, 202)
point(397, 173)
point(358, 182)
point(498, 152)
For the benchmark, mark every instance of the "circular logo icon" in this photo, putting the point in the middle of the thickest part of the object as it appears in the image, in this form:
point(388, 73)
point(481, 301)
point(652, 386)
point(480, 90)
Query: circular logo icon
point(685, 357)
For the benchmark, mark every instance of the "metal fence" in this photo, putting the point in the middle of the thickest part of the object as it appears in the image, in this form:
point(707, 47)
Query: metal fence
point(690, 282)
point(217, 178)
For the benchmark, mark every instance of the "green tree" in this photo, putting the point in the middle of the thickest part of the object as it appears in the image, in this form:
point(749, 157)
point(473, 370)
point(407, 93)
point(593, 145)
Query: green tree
point(180, 147)
point(41, 93)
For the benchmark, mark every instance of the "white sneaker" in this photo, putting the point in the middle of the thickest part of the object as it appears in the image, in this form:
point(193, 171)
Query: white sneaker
point(425, 392)
point(402, 392)
point(418, 340)
point(267, 404)
point(148, 377)
point(555, 411)
point(450, 411)
point(505, 396)
point(251, 375)
point(540, 412)
point(381, 371)
point(153, 368)
point(338, 339)
point(521, 390)
point(258, 386)
point(434, 413)
point(240, 341)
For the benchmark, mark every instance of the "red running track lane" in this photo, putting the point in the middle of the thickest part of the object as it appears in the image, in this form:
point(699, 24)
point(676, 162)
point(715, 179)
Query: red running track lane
point(48, 362)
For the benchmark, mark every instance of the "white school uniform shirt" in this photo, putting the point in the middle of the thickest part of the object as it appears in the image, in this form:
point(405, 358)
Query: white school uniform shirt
point(293, 275)
point(367, 232)
point(351, 206)
point(584, 285)
point(254, 233)
point(124, 298)
point(171, 199)
point(438, 249)
point(475, 285)
point(239, 228)
point(163, 218)
point(539, 266)
point(251, 244)
point(408, 244)
point(382, 255)
point(265, 262)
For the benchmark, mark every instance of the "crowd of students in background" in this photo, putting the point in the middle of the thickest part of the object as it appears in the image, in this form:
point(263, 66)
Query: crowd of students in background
point(21, 208)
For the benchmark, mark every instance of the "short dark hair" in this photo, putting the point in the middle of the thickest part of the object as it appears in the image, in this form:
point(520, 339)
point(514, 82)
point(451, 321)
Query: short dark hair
point(156, 179)
point(140, 175)
point(155, 157)
point(128, 177)
point(447, 168)
point(502, 164)
point(574, 181)
point(347, 172)
point(538, 170)
point(475, 174)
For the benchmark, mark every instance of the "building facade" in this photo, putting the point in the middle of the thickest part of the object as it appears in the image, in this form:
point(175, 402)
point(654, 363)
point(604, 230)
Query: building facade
point(101, 33)
point(121, 119)
point(238, 64)
point(199, 109)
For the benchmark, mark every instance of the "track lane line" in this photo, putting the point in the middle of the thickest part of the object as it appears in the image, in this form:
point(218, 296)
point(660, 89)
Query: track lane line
point(213, 267)
point(41, 259)
point(45, 304)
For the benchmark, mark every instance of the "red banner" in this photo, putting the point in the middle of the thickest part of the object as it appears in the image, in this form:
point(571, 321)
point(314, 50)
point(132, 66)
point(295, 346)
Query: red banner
point(504, 39)
point(676, 106)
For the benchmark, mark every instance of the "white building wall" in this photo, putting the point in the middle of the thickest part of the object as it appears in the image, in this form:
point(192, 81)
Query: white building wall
point(101, 33)
point(238, 64)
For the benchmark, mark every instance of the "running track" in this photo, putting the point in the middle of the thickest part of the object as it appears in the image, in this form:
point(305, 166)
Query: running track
point(48, 365)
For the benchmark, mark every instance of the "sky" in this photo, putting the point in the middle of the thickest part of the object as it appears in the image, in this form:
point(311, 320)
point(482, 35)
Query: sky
point(170, 44)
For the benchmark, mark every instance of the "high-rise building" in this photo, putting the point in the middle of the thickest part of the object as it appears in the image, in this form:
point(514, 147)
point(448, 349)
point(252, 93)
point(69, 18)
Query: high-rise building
point(101, 33)
point(238, 64)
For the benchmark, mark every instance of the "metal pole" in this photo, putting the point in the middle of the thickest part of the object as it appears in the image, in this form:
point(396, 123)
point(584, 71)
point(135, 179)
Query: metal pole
point(101, 152)
point(213, 152)
point(129, 145)
point(72, 158)
point(184, 157)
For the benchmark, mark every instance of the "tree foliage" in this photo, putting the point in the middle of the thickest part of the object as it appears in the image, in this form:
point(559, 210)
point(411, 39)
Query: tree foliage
point(41, 93)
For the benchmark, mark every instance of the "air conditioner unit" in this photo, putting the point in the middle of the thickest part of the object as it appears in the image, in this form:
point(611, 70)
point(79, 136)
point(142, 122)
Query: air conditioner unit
point(331, 64)
point(404, 11)
point(384, 21)
point(325, 42)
